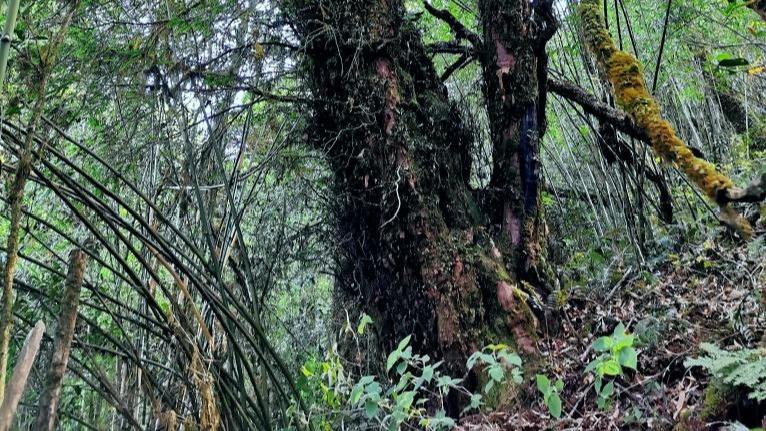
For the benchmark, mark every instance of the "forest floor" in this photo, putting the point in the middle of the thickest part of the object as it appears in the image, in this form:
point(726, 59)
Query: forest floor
point(709, 293)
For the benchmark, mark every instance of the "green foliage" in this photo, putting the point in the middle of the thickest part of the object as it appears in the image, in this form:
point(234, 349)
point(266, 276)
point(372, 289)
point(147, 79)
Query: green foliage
point(616, 352)
point(743, 368)
point(363, 322)
point(400, 396)
point(550, 392)
point(497, 360)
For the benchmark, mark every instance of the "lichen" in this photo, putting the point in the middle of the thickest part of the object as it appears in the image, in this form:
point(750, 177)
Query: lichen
point(624, 73)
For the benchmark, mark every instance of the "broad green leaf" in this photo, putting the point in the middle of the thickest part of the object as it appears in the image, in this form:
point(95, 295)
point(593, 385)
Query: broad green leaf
point(392, 358)
point(602, 344)
point(403, 343)
point(404, 401)
point(609, 368)
point(629, 358)
point(356, 394)
point(366, 320)
point(428, 373)
point(371, 409)
point(554, 405)
point(401, 368)
point(472, 360)
point(559, 385)
point(496, 373)
point(516, 376)
point(618, 330)
point(543, 384)
point(511, 358)
point(608, 389)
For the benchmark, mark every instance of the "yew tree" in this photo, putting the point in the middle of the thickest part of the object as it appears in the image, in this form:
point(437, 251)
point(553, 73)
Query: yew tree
point(420, 249)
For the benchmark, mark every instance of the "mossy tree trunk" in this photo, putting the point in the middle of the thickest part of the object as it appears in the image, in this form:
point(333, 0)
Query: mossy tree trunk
point(419, 250)
point(514, 64)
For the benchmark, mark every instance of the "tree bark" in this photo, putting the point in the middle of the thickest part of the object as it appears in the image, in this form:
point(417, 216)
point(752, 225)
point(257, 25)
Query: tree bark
point(514, 64)
point(62, 342)
point(18, 381)
point(419, 250)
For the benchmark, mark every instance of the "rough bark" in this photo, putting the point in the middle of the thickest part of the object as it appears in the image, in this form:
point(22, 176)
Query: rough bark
point(514, 64)
point(417, 249)
point(62, 342)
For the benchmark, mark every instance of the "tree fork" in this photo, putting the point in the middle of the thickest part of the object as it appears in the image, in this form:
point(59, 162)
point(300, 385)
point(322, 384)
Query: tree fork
point(419, 251)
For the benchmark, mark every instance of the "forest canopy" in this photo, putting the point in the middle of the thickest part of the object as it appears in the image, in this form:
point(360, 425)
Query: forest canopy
point(383, 214)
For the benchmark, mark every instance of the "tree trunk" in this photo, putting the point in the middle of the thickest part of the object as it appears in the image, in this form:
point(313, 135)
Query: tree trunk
point(514, 64)
point(62, 342)
point(18, 381)
point(419, 250)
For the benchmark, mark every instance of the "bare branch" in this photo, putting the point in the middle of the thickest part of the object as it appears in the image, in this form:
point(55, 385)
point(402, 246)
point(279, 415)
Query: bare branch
point(461, 32)
point(754, 192)
point(620, 120)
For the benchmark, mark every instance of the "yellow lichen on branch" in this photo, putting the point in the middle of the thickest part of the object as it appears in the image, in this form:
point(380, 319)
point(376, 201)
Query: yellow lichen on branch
point(624, 73)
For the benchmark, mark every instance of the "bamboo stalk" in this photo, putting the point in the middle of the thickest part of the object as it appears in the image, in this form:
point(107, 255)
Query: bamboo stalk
point(7, 37)
point(18, 381)
point(16, 196)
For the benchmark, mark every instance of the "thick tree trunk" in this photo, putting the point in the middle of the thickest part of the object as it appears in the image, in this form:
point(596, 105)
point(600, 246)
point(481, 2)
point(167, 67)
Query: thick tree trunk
point(62, 342)
point(419, 251)
point(514, 63)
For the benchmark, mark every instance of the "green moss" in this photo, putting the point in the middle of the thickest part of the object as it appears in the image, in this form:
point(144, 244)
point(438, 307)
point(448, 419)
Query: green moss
point(716, 401)
point(624, 72)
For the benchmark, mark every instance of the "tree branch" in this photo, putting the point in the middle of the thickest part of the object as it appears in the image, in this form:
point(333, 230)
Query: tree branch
point(620, 120)
point(453, 47)
point(754, 192)
point(461, 62)
point(461, 32)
